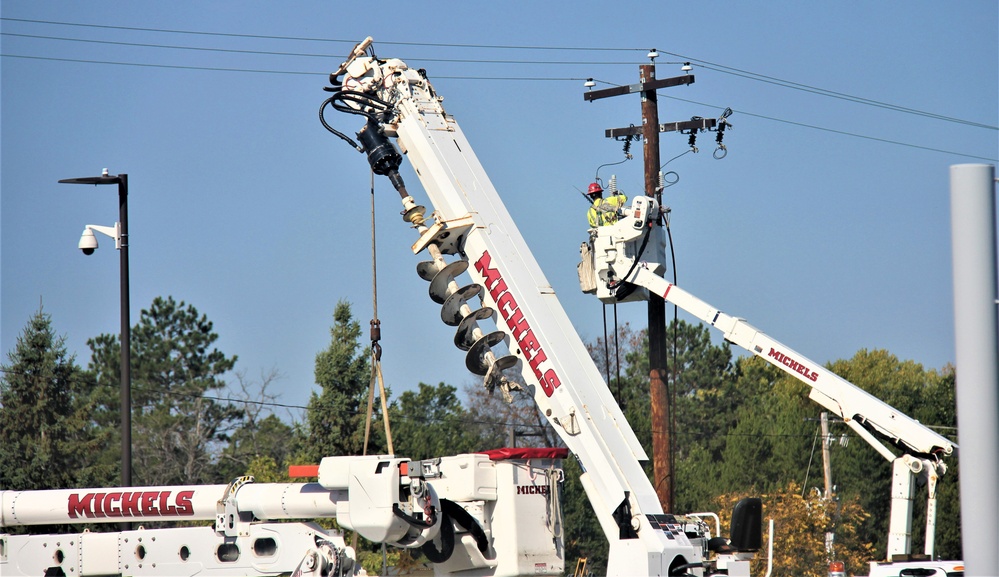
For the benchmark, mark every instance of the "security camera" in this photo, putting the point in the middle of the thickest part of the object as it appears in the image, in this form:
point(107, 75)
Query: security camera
point(88, 242)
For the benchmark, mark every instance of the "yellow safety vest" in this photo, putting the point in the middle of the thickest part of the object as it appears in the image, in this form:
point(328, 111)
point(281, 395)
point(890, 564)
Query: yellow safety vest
point(604, 210)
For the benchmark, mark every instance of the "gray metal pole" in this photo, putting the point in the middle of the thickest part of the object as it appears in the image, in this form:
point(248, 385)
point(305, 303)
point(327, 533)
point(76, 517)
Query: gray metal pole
point(976, 335)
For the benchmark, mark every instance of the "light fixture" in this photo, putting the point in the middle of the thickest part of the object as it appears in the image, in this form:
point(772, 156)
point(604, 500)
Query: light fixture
point(88, 241)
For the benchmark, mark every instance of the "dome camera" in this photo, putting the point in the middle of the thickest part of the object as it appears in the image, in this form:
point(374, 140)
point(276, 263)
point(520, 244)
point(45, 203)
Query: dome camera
point(88, 242)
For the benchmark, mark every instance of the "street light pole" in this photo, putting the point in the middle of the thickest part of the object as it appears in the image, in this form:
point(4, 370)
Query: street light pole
point(126, 334)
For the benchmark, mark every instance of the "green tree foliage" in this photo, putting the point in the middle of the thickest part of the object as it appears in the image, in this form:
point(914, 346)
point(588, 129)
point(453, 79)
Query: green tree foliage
point(800, 526)
point(769, 443)
point(177, 429)
point(48, 416)
point(702, 396)
point(925, 395)
point(343, 371)
point(431, 422)
point(269, 437)
point(700, 389)
point(583, 536)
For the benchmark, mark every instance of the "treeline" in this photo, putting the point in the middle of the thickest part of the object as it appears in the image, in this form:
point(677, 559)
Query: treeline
point(740, 427)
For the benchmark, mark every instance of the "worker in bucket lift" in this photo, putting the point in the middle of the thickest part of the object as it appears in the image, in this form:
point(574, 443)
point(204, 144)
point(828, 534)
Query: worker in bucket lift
point(603, 211)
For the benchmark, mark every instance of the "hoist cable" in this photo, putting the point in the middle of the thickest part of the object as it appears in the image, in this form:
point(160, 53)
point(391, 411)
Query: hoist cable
point(671, 390)
point(617, 354)
point(376, 349)
point(606, 349)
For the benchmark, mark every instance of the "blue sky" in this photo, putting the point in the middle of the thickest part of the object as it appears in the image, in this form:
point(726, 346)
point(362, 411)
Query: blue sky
point(826, 226)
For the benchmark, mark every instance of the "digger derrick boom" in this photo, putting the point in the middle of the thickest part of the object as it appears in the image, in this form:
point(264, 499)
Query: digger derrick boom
point(471, 224)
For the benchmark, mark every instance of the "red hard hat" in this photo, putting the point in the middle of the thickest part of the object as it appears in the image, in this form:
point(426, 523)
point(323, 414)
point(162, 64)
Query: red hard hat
point(595, 188)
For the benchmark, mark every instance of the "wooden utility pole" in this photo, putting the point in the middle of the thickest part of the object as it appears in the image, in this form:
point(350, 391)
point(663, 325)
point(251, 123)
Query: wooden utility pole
point(662, 442)
point(649, 131)
point(826, 465)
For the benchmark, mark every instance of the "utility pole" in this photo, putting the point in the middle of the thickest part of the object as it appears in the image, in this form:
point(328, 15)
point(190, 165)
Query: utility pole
point(662, 448)
point(826, 465)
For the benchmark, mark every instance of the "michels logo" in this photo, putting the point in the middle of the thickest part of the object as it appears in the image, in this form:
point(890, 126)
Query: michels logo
point(519, 327)
point(794, 365)
point(532, 489)
point(131, 504)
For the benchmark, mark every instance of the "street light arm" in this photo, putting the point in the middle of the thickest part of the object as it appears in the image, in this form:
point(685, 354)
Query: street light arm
point(111, 231)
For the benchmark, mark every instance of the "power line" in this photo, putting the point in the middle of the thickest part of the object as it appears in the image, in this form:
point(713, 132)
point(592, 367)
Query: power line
point(315, 55)
point(168, 66)
point(704, 63)
point(858, 100)
point(501, 78)
point(332, 40)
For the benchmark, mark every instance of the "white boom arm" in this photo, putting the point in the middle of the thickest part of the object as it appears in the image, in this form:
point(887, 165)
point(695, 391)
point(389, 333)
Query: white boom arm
point(532, 332)
point(484, 513)
point(616, 253)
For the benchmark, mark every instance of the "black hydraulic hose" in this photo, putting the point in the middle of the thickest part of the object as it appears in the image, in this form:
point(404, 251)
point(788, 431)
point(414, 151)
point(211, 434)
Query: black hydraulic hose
point(447, 541)
point(681, 570)
point(451, 511)
point(338, 102)
point(322, 119)
point(413, 520)
point(467, 522)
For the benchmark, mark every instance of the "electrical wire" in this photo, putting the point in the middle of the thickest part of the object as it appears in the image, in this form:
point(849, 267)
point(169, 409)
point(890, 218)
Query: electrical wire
point(494, 79)
point(721, 68)
point(499, 78)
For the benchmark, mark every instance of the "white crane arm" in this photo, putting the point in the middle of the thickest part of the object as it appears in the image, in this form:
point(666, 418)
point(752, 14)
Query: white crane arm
point(874, 420)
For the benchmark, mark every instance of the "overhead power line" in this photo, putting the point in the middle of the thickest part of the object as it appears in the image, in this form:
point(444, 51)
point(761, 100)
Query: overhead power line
point(333, 40)
point(502, 78)
point(704, 63)
point(313, 55)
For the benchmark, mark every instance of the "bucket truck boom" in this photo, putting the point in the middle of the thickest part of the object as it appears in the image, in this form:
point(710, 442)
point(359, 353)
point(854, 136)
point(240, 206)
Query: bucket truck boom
point(618, 267)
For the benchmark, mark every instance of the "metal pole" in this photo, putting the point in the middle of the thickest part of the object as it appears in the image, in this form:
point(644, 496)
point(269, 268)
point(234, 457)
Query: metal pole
point(126, 340)
point(976, 337)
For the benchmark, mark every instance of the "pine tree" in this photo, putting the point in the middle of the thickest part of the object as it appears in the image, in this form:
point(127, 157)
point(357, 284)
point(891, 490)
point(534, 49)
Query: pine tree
point(343, 371)
point(48, 416)
point(177, 428)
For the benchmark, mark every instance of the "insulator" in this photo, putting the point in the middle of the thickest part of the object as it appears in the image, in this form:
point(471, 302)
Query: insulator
point(612, 185)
